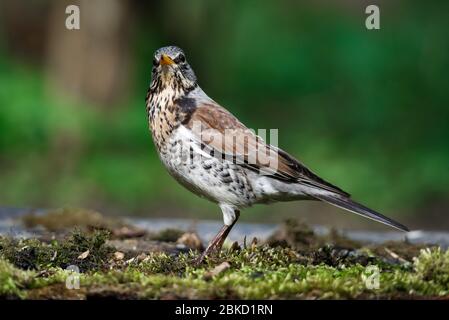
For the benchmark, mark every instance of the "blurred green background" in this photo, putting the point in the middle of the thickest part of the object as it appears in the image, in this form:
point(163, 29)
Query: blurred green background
point(367, 110)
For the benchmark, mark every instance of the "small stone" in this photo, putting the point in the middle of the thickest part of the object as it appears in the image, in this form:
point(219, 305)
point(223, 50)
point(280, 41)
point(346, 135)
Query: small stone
point(119, 255)
point(217, 270)
point(130, 260)
point(190, 240)
point(141, 257)
point(127, 232)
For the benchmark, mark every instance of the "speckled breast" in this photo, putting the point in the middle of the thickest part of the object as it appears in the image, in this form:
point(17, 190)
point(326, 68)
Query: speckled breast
point(215, 179)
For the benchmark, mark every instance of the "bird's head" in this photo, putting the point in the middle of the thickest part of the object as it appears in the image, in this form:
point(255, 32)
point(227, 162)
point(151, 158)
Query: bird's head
point(170, 69)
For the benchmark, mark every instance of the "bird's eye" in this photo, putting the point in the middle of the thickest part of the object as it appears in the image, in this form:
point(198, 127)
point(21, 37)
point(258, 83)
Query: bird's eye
point(155, 61)
point(180, 58)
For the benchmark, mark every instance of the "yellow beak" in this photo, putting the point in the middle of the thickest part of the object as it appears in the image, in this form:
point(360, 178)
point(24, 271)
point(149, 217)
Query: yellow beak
point(166, 60)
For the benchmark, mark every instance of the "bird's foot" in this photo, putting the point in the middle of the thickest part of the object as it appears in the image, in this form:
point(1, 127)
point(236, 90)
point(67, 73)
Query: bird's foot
point(212, 249)
point(199, 261)
point(215, 245)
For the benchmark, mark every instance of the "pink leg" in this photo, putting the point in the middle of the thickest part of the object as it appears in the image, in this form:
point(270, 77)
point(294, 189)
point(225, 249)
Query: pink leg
point(217, 242)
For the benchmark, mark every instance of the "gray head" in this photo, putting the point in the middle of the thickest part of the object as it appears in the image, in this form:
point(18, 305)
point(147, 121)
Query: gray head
point(170, 68)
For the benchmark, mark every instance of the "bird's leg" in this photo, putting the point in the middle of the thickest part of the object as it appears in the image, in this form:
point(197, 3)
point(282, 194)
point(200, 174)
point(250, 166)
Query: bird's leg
point(217, 242)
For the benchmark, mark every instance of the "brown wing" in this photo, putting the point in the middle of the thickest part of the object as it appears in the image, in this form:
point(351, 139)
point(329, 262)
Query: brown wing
point(223, 135)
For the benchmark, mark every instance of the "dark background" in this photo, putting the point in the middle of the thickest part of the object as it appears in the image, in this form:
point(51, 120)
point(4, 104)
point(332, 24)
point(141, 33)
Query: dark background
point(367, 110)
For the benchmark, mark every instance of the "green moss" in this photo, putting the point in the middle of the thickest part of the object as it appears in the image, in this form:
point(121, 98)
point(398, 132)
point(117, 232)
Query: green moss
point(32, 254)
point(433, 265)
point(255, 273)
point(12, 280)
point(36, 270)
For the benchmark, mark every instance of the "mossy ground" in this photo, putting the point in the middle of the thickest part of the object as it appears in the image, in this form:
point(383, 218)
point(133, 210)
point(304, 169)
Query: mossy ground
point(294, 263)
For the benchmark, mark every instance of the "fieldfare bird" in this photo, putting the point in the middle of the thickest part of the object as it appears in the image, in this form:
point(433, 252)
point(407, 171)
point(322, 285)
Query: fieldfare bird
point(211, 153)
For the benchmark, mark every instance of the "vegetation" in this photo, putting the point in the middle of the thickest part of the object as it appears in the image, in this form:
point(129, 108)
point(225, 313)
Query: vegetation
point(257, 272)
point(294, 263)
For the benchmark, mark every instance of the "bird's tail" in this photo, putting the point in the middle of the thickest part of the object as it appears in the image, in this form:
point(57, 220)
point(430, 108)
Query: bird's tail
point(352, 206)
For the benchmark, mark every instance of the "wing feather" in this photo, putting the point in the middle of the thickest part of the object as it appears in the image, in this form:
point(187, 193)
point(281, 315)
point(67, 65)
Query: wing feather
point(222, 135)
